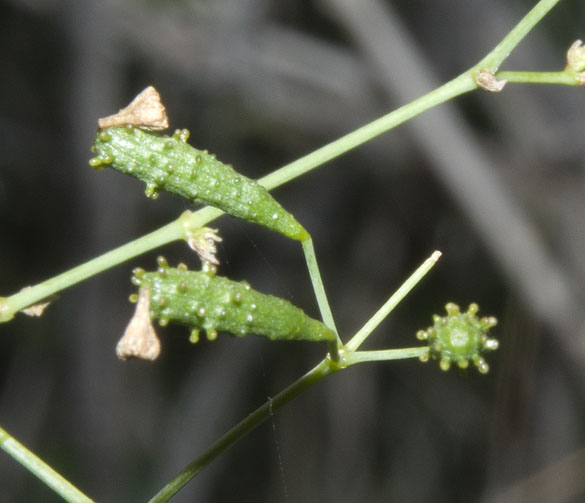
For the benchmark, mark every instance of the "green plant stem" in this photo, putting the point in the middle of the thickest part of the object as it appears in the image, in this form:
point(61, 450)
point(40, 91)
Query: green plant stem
point(9, 306)
point(322, 370)
point(39, 468)
point(362, 334)
point(459, 85)
point(566, 77)
point(499, 53)
point(353, 357)
point(319, 289)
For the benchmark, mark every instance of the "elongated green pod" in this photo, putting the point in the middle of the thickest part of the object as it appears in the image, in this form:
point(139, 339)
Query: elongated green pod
point(170, 163)
point(203, 301)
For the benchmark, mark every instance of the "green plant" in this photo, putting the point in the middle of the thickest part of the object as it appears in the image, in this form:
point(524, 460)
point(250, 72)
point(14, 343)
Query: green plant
point(485, 74)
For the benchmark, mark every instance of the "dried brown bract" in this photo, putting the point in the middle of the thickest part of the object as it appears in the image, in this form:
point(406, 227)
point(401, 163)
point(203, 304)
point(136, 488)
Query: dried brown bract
point(487, 80)
point(139, 339)
point(38, 308)
point(146, 112)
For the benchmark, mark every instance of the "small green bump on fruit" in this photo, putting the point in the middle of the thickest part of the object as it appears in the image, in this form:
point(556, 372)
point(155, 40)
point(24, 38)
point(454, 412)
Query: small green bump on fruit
point(211, 334)
point(452, 309)
point(95, 162)
point(194, 336)
point(163, 322)
point(104, 136)
point(488, 322)
point(422, 335)
point(491, 344)
point(133, 298)
point(150, 190)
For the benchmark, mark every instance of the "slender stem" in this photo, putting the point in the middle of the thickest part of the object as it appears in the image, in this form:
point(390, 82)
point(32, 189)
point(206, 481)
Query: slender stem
point(9, 306)
point(319, 289)
point(39, 468)
point(322, 370)
point(459, 85)
point(392, 302)
point(566, 77)
point(353, 357)
point(497, 56)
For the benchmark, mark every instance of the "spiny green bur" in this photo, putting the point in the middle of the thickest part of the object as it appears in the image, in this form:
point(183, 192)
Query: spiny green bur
point(459, 338)
point(169, 163)
point(203, 301)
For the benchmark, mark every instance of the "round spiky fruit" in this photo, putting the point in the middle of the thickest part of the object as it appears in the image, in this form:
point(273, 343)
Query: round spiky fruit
point(459, 338)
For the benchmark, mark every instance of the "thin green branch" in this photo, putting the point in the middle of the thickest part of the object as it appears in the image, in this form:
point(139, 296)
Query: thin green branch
point(497, 56)
point(357, 340)
point(566, 77)
point(321, 296)
point(354, 357)
point(322, 370)
point(9, 306)
point(39, 468)
point(459, 85)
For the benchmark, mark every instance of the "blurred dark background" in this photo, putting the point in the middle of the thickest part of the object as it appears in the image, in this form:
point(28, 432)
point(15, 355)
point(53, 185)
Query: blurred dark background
point(495, 181)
